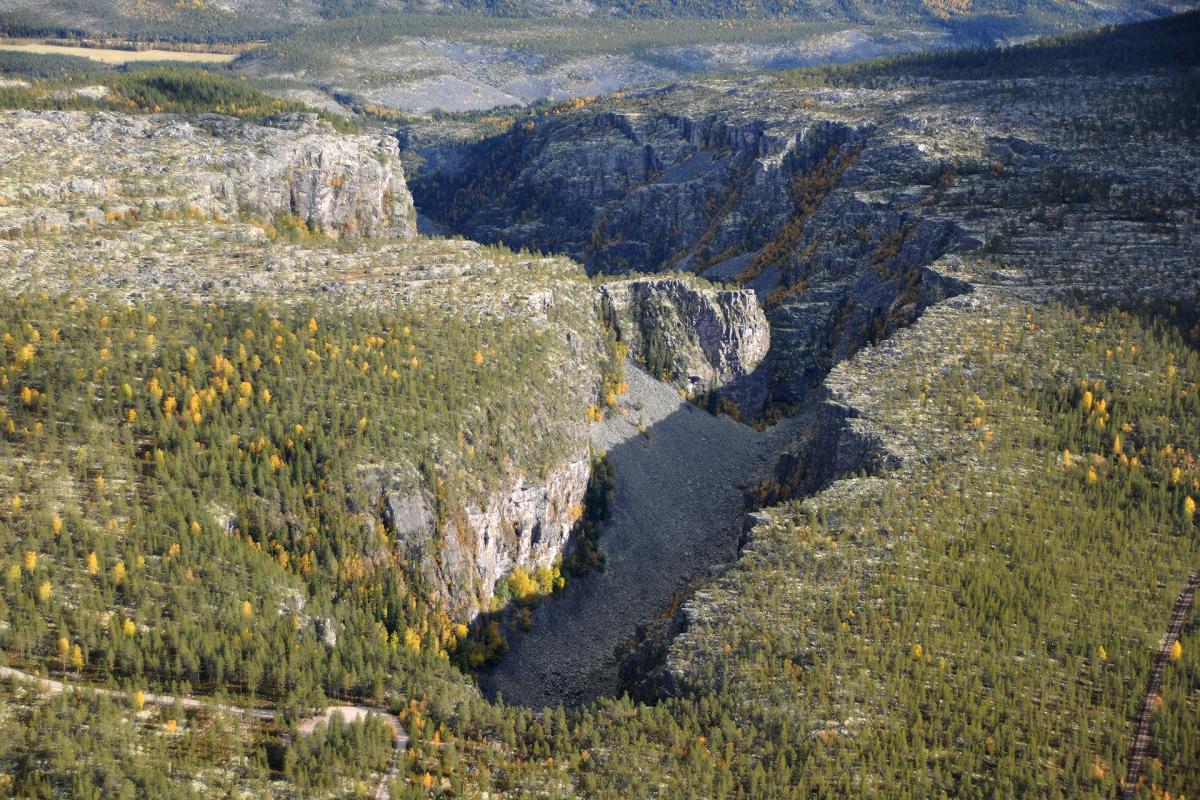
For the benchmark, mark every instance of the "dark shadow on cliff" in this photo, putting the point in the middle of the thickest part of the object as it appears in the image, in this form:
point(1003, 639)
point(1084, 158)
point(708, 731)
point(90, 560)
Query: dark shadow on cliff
point(678, 512)
point(684, 486)
point(824, 444)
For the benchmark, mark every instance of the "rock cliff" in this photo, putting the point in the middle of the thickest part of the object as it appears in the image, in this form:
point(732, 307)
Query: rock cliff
point(701, 336)
point(833, 203)
point(805, 210)
point(94, 169)
point(339, 185)
point(630, 189)
point(464, 552)
point(696, 336)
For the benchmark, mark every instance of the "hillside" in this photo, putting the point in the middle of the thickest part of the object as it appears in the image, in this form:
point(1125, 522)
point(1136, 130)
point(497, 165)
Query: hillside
point(220, 15)
point(248, 450)
point(822, 432)
point(384, 56)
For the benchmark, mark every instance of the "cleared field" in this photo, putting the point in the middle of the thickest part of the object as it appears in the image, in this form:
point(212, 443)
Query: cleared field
point(108, 56)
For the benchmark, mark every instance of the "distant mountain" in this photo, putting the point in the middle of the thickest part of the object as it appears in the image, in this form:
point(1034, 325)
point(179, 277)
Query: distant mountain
point(877, 10)
point(263, 19)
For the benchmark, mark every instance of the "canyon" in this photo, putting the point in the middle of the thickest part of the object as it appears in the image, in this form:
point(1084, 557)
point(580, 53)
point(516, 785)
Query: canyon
point(848, 213)
point(813, 433)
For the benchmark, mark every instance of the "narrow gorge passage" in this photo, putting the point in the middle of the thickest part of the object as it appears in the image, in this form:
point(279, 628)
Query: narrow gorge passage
point(678, 510)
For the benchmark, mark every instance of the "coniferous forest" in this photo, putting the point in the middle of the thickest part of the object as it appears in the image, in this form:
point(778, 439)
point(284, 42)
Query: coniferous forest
point(297, 480)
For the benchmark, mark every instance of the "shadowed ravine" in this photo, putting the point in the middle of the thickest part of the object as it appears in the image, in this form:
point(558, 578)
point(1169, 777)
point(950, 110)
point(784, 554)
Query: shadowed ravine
point(678, 510)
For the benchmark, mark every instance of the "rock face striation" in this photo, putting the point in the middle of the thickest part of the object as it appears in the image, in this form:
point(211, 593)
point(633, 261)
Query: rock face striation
point(808, 211)
point(99, 167)
point(464, 554)
point(630, 189)
point(833, 204)
point(698, 337)
point(339, 185)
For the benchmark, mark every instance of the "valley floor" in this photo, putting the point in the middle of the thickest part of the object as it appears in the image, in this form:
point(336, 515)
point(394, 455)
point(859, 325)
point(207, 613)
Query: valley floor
point(678, 512)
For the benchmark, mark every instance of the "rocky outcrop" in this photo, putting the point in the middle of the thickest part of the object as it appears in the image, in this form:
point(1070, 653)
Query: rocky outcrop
point(621, 191)
point(832, 203)
point(340, 185)
point(697, 336)
point(464, 552)
point(103, 168)
point(527, 526)
point(817, 215)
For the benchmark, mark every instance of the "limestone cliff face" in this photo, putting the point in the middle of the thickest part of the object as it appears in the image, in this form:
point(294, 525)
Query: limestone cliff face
point(701, 338)
point(527, 525)
point(103, 167)
point(340, 185)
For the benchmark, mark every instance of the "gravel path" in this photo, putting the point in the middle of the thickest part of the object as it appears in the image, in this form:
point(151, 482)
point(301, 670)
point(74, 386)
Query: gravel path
point(306, 727)
point(150, 698)
point(678, 511)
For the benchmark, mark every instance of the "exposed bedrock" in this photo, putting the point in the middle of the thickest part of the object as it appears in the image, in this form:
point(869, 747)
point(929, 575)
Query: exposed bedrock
point(848, 212)
point(693, 335)
point(824, 219)
point(339, 185)
point(465, 553)
point(706, 337)
point(623, 191)
point(213, 166)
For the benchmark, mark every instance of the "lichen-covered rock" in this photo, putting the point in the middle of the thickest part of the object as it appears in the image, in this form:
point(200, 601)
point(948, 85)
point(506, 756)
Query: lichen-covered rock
point(697, 336)
point(339, 185)
point(81, 170)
